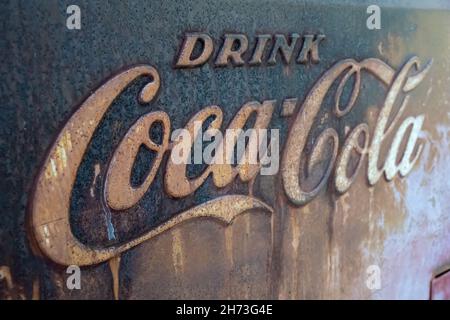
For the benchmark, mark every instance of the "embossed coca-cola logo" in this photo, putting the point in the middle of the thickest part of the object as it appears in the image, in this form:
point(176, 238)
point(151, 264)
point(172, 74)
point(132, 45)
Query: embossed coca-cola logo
point(54, 184)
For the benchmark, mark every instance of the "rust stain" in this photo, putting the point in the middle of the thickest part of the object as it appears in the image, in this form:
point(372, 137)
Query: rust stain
point(177, 251)
point(36, 290)
point(114, 265)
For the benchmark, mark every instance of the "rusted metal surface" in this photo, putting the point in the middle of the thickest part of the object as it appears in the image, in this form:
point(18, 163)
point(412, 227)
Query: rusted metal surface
point(364, 151)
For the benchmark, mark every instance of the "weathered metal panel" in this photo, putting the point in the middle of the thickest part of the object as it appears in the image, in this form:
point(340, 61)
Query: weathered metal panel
point(76, 105)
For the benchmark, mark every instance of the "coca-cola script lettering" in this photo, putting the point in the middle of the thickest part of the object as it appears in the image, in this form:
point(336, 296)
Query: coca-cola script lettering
point(50, 224)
